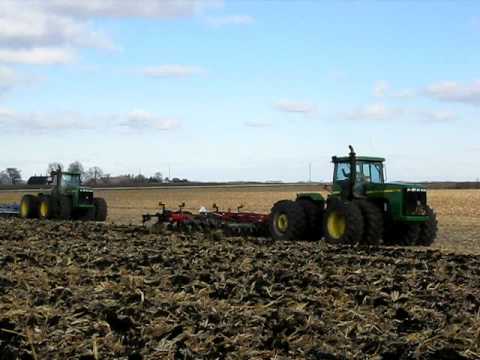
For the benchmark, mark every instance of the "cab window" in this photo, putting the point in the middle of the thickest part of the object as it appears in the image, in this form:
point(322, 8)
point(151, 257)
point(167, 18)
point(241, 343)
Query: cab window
point(70, 180)
point(376, 171)
point(342, 172)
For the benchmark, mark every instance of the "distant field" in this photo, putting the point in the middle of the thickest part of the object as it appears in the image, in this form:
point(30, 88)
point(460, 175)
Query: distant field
point(458, 210)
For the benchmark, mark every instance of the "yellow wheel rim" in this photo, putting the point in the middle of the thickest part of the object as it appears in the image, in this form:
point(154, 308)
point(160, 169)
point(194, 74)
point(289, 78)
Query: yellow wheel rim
point(44, 209)
point(282, 222)
point(336, 225)
point(24, 209)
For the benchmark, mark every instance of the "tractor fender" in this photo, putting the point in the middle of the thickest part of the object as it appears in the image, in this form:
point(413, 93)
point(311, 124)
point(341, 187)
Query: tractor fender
point(316, 198)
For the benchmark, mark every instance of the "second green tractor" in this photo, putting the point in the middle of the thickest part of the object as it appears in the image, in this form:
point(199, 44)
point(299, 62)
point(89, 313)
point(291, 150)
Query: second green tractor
point(67, 200)
point(361, 209)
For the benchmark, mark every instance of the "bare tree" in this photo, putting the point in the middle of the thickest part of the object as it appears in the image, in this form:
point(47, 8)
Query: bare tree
point(4, 178)
point(158, 177)
point(14, 174)
point(76, 167)
point(94, 174)
point(54, 167)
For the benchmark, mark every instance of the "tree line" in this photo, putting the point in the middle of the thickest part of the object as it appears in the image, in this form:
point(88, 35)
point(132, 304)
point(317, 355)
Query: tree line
point(90, 176)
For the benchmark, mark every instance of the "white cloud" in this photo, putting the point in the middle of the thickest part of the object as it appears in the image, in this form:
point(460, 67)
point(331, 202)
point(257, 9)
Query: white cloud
point(140, 119)
point(450, 91)
point(8, 79)
point(437, 116)
point(230, 20)
point(130, 8)
point(6, 113)
point(381, 88)
point(42, 122)
point(13, 121)
point(257, 124)
point(295, 107)
point(38, 56)
point(173, 71)
point(39, 27)
point(374, 112)
point(45, 28)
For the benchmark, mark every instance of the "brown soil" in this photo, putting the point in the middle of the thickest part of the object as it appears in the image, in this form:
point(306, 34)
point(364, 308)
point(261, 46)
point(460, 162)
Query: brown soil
point(94, 291)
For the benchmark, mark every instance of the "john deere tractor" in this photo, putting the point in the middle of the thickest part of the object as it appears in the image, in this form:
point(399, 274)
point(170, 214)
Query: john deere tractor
point(67, 200)
point(361, 209)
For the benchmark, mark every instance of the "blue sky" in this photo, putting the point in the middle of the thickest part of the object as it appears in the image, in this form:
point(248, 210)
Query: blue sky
point(241, 90)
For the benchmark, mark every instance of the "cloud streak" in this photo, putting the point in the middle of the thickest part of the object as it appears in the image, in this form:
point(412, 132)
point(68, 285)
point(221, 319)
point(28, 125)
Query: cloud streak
point(137, 120)
point(220, 21)
point(297, 107)
point(450, 91)
point(173, 70)
point(257, 124)
point(141, 120)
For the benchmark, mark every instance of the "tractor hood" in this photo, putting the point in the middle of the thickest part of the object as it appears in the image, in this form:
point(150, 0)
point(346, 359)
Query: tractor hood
point(402, 186)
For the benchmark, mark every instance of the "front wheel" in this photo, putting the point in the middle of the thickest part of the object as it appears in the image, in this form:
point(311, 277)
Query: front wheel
point(428, 230)
point(100, 209)
point(343, 223)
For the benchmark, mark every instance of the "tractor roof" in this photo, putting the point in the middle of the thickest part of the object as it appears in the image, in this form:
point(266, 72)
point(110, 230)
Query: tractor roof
point(336, 159)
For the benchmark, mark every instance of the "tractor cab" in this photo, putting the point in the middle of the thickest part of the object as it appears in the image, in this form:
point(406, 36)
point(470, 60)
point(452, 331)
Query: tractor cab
point(70, 180)
point(353, 175)
point(368, 170)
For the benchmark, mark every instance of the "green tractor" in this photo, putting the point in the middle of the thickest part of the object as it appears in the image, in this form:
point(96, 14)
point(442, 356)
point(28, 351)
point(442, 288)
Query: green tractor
point(67, 200)
point(361, 209)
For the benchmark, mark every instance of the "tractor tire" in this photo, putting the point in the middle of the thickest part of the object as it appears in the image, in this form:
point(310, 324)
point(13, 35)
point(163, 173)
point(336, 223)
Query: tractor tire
point(314, 217)
point(343, 223)
point(373, 223)
point(428, 230)
point(86, 215)
point(101, 209)
point(65, 208)
point(29, 207)
point(403, 235)
point(47, 208)
point(287, 221)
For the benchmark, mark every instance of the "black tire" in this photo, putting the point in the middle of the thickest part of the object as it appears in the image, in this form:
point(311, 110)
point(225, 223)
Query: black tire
point(65, 208)
point(343, 223)
point(287, 221)
point(403, 235)
point(373, 223)
point(429, 229)
point(29, 207)
point(47, 208)
point(86, 215)
point(101, 210)
point(314, 217)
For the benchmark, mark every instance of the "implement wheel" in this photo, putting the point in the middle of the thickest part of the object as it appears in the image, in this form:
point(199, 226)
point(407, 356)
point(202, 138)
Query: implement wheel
point(29, 207)
point(343, 222)
point(287, 221)
point(428, 230)
point(373, 222)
